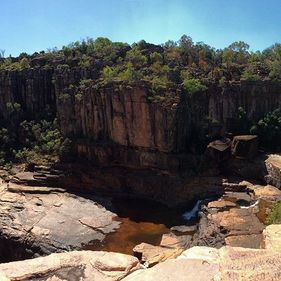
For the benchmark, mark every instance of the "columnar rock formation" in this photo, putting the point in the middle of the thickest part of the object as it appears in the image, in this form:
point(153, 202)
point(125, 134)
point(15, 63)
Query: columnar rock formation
point(120, 125)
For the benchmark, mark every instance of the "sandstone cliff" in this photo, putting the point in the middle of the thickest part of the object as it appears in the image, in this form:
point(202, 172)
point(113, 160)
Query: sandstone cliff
point(121, 125)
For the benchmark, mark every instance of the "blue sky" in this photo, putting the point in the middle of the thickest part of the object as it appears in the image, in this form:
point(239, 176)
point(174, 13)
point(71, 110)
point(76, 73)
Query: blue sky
point(34, 25)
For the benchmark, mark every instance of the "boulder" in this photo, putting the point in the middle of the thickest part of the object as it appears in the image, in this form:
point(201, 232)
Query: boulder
point(238, 221)
point(273, 166)
point(267, 193)
point(219, 150)
point(245, 146)
point(151, 255)
point(83, 265)
point(171, 240)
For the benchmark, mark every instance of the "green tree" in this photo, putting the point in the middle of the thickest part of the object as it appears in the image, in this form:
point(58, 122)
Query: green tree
point(192, 86)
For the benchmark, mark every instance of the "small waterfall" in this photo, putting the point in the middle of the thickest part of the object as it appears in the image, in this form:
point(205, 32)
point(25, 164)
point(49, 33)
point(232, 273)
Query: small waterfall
point(193, 213)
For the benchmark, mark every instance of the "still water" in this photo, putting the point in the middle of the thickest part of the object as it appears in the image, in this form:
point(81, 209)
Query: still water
point(141, 221)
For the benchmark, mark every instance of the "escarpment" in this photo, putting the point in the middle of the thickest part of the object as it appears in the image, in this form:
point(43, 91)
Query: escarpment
point(129, 126)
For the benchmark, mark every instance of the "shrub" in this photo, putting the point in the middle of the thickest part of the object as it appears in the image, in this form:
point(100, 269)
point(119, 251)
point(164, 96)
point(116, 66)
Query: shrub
point(222, 82)
point(274, 215)
point(192, 86)
point(269, 129)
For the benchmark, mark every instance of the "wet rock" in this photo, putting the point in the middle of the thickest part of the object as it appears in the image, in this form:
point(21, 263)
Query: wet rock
point(245, 146)
point(51, 222)
point(273, 166)
point(272, 237)
point(83, 265)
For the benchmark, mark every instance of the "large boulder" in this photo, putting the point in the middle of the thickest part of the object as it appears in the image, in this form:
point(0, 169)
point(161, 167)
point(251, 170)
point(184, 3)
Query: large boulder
point(267, 193)
point(83, 265)
point(238, 221)
point(245, 146)
point(273, 166)
point(219, 150)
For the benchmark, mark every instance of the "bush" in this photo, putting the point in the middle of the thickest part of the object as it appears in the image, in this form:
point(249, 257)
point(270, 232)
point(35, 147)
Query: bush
point(269, 129)
point(274, 215)
point(192, 86)
point(250, 75)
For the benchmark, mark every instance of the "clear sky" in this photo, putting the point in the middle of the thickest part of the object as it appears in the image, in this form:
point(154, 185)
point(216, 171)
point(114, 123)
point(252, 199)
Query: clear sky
point(34, 25)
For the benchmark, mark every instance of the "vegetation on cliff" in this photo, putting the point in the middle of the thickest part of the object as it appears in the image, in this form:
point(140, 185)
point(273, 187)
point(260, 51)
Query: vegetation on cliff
point(158, 65)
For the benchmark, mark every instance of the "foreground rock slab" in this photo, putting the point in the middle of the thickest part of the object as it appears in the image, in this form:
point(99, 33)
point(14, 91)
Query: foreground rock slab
point(206, 264)
point(77, 265)
point(46, 222)
point(272, 237)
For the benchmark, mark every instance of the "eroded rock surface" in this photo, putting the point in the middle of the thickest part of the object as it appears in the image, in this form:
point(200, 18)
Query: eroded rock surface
point(83, 265)
point(46, 222)
point(209, 264)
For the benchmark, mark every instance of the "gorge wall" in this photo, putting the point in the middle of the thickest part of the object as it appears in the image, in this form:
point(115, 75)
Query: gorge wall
point(125, 126)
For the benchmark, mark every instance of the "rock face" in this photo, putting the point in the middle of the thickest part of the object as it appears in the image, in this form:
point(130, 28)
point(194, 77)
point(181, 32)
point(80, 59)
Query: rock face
point(84, 266)
point(169, 189)
point(44, 222)
point(119, 125)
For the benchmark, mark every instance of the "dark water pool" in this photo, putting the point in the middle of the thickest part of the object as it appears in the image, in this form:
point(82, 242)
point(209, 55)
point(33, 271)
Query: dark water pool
point(141, 221)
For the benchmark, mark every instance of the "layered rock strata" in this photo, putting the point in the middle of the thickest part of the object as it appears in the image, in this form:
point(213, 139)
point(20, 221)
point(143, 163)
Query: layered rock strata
point(39, 221)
